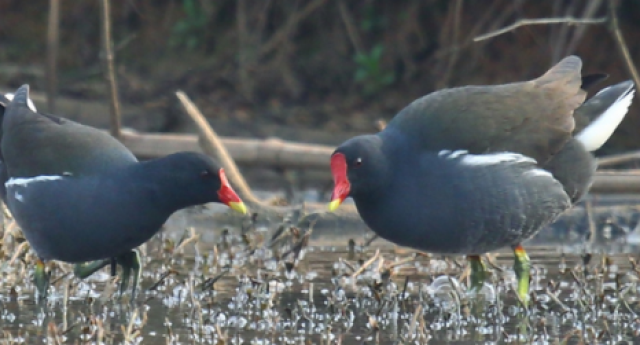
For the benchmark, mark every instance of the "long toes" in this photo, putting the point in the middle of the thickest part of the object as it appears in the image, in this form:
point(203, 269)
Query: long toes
point(478, 274)
point(130, 263)
point(41, 279)
point(84, 270)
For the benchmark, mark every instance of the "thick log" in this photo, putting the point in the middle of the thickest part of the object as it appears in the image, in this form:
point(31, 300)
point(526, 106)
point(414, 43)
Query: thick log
point(283, 154)
point(616, 182)
point(245, 151)
point(621, 158)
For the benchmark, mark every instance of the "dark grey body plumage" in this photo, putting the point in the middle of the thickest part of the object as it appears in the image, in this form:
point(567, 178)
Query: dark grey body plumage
point(81, 195)
point(462, 207)
point(95, 217)
point(430, 179)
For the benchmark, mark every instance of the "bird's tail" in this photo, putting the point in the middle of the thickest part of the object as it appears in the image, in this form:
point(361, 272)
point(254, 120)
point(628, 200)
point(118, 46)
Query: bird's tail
point(20, 97)
point(608, 108)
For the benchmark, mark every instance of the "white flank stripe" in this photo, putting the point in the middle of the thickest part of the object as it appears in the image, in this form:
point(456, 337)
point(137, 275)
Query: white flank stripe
point(29, 102)
point(21, 181)
point(538, 173)
point(444, 153)
point(599, 131)
point(456, 154)
point(496, 158)
point(452, 154)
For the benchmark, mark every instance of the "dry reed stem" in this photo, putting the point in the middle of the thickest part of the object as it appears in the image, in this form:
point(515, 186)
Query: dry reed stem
point(620, 41)
point(540, 21)
point(53, 44)
point(110, 74)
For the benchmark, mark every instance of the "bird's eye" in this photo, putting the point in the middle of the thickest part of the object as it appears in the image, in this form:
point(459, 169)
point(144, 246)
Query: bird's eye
point(358, 162)
point(206, 173)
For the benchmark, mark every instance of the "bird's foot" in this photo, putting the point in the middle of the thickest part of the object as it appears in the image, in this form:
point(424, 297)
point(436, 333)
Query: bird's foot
point(41, 279)
point(130, 263)
point(522, 266)
point(478, 274)
point(84, 270)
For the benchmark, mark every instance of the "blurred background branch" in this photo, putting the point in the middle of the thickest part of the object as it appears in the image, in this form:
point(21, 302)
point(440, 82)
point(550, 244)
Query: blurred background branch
point(317, 71)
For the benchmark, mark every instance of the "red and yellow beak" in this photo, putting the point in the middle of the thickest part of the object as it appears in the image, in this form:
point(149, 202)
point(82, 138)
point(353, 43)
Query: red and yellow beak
point(342, 187)
point(228, 196)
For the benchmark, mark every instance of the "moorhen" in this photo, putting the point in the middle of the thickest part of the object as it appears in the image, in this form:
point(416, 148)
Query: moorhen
point(469, 170)
point(79, 195)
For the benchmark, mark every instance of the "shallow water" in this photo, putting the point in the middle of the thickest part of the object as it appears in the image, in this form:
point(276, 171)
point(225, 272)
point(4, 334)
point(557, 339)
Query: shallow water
point(290, 291)
point(318, 302)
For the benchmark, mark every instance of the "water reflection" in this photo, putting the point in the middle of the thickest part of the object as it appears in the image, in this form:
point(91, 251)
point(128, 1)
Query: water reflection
point(210, 286)
point(322, 301)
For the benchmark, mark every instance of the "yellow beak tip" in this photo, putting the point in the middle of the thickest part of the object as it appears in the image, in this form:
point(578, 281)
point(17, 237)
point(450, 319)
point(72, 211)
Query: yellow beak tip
point(238, 207)
point(334, 204)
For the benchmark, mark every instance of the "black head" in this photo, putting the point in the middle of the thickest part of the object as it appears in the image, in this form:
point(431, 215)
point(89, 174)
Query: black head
point(358, 166)
point(191, 179)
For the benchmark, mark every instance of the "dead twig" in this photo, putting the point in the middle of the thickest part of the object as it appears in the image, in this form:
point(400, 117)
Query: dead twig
point(366, 264)
point(53, 43)
point(214, 146)
point(540, 21)
point(614, 26)
point(244, 50)
point(456, 13)
point(291, 24)
point(110, 74)
point(349, 25)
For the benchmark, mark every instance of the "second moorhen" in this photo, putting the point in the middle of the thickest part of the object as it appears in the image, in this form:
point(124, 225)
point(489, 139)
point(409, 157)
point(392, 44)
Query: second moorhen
point(469, 170)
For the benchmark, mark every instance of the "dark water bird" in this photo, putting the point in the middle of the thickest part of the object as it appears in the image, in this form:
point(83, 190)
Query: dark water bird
point(469, 170)
point(81, 196)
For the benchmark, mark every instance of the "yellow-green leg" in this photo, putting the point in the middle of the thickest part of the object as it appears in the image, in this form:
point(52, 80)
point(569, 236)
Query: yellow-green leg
point(130, 263)
point(41, 278)
point(84, 270)
point(522, 266)
point(478, 272)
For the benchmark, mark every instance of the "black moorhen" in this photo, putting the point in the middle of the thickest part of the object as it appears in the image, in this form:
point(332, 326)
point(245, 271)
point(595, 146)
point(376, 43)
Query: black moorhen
point(469, 170)
point(79, 195)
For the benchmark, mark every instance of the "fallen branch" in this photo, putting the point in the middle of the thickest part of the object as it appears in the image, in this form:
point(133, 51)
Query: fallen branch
point(289, 155)
point(540, 21)
point(622, 182)
point(214, 146)
point(619, 158)
point(257, 152)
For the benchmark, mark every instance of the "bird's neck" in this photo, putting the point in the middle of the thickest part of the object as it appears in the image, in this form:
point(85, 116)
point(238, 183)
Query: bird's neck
point(396, 143)
point(160, 184)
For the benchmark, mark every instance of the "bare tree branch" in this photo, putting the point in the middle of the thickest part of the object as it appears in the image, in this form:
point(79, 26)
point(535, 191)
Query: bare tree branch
point(540, 21)
point(215, 147)
point(622, 45)
point(53, 43)
point(110, 74)
point(288, 27)
point(350, 26)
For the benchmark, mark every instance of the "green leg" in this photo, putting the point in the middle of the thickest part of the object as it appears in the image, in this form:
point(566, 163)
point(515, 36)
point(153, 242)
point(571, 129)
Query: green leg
point(41, 279)
point(522, 266)
point(84, 270)
point(478, 272)
point(130, 263)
